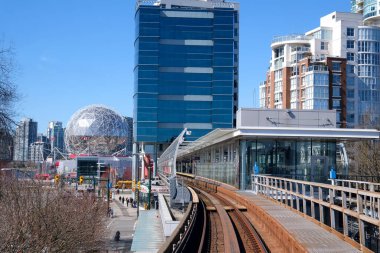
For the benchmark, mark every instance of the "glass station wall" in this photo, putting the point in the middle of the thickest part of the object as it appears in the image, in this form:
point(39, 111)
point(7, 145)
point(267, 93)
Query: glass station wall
point(233, 162)
point(309, 160)
point(219, 162)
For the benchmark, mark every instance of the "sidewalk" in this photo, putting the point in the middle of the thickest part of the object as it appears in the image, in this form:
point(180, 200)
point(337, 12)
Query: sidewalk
point(149, 234)
point(124, 220)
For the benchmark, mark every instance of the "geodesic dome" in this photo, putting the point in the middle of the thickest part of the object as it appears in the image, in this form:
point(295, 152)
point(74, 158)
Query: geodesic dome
point(95, 130)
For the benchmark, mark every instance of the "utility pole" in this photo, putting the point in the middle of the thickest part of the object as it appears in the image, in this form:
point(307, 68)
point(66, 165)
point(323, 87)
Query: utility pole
point(108, 188)
point(137, 193)
point(149, 184)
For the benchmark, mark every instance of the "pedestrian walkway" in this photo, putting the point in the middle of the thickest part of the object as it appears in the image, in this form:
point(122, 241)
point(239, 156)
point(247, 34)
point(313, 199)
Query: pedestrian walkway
point(149, 233)
point(313, 237)
point(124, 220)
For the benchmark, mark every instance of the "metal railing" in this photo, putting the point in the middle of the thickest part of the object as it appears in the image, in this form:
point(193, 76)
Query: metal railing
point(278, 39)
point(358, 185)
point(372, 179)
point(326, 203)
point(210, 4)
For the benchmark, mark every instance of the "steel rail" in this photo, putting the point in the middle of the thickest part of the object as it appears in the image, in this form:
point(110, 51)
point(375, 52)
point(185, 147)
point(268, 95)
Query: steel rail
point(252, 240)
point(239, 235)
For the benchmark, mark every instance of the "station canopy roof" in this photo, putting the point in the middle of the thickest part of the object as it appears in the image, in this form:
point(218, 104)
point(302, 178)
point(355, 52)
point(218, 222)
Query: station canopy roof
point(220, 135)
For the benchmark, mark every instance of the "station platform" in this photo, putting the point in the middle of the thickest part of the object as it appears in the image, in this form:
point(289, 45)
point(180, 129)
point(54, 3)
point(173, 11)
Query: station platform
point(313, 237)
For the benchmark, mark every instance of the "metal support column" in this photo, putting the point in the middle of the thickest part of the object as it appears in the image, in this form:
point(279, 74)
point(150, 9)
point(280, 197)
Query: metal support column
point(243, 165)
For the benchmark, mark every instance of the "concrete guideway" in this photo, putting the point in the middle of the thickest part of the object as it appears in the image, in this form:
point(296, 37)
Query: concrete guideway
point(281, 228)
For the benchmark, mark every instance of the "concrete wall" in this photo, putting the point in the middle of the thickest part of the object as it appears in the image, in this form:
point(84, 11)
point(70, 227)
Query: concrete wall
point(286, 118)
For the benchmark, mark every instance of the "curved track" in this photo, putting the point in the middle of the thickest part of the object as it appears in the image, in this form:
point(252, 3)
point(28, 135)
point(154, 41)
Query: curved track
point(227, 228)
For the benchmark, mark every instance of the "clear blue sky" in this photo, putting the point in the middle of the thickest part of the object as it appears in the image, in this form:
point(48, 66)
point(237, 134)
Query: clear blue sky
point(72, 53)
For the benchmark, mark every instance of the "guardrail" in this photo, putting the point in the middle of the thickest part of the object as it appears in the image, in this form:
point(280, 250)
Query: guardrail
point(180, 236)
point(353, 205)
point(359, 185)
point(277, 39)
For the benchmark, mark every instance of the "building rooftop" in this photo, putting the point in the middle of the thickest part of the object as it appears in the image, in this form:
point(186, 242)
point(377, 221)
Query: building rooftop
point(190, 3)
point(254, 123)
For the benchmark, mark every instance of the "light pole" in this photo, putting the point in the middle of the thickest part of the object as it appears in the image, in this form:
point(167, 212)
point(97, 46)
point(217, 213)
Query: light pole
point(107, 180)
point(108, 188)
point(137, 190)
point(149, 184)
point(142, 154)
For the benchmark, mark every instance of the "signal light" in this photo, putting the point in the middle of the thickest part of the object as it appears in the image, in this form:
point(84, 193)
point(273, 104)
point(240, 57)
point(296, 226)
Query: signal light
point(56, 179)
point(81, 179)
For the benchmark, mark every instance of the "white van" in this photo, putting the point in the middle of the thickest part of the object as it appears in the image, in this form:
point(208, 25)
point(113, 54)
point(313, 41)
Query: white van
point(156, 181)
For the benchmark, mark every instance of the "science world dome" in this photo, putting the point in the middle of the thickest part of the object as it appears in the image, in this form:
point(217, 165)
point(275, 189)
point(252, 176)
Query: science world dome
point(95, 130)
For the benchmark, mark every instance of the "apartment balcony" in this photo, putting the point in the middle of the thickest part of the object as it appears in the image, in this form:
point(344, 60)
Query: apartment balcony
point(147, 3)
point(317, 68)
point(290, 39)
point(300, 49)
point(360, 2)
point(262, 84)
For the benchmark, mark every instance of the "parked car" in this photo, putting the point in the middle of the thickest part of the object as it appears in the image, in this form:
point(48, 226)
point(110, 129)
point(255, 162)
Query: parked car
point(156, 181)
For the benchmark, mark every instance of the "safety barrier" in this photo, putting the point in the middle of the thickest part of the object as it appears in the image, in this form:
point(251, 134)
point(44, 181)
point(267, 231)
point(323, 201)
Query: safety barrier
point(312, 199)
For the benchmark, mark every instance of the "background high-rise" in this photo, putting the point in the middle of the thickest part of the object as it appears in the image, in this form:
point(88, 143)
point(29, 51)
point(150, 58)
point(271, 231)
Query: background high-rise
point(55, 134)
point(335, 66)
point(186, 68)
point(26, 134)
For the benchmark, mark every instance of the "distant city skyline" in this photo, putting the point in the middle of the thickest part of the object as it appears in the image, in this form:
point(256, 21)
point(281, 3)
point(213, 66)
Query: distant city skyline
point(72, 54)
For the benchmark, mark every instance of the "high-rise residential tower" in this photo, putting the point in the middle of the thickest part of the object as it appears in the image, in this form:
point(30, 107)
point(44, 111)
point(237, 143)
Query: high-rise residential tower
point(186, 68)
point(26, 134)
point(335, 66)
point(40, 149)
point(370, 9)
point(55, 134)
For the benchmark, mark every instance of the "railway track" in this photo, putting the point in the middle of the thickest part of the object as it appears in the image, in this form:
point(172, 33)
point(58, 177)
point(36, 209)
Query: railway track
point(230, 230)
point(216, 225)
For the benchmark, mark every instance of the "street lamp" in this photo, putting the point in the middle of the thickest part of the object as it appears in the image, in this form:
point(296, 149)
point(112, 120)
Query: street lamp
point(141, 156)
point(149, 184)
point(108, 182)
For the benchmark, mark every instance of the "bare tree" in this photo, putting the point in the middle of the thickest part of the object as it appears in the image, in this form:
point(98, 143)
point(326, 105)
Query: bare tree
point(37, 218)
point(365, 155)
point(8, 98)
point(365, 158)
point(8, 90)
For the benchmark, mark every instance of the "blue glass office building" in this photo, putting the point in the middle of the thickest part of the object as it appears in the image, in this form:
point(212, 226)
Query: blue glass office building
point(186, 68)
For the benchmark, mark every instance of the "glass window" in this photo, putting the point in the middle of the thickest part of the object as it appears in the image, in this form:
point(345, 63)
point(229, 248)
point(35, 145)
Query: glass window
point(336, 66)
point(336, 91)
point(350, 56)
point(338, 117)
point(350, 69)
point(285, 158)
point(336, 79)
point(266, 156)
point(351, 106)
point(336, 103)
point(324, 45)
point(351, 118)
point(350, 31)
point(350, 44)
point(350, 93)
point(303, 160)
point(351, 81)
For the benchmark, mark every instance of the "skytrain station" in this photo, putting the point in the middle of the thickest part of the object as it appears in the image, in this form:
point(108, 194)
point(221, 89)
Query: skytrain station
point(298, 144)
